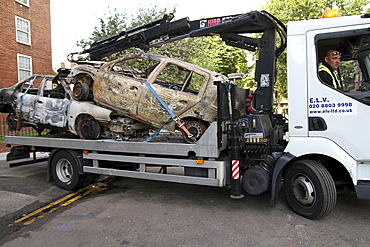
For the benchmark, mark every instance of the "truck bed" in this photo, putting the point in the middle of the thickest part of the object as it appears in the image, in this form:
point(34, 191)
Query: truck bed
point(207, 146)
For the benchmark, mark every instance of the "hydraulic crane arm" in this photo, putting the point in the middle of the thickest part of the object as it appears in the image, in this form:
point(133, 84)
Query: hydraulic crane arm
point(137, 37)
point(228, 28)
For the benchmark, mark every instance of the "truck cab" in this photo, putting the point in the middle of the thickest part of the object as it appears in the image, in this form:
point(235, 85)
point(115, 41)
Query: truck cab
point(325, 123)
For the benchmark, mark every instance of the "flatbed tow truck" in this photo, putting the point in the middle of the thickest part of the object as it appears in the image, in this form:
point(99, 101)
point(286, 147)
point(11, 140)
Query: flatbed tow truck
point(249, 146)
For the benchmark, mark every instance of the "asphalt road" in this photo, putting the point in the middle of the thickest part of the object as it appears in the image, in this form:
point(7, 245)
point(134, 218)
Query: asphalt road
point(132, 212)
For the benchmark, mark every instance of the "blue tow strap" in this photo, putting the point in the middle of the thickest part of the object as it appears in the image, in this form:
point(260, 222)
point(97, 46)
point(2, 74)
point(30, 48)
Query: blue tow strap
point(25, 92)
point(164, 105)
point(160, 100)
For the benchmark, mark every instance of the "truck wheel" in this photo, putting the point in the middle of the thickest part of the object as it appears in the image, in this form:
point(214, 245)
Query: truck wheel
point(64, 171)
point(310, 189)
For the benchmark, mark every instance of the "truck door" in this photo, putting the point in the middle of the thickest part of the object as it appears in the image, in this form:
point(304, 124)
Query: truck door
point(341, 115)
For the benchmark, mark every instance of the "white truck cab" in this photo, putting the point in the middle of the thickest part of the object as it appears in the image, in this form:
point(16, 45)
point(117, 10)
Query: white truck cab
point(325, 123)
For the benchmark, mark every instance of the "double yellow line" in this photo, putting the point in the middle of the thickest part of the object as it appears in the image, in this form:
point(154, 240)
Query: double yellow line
point(62, 202)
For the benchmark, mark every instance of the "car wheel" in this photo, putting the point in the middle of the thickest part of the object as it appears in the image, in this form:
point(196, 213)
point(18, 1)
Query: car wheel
point(81, 91)
point(195, 128)
point(89, 129)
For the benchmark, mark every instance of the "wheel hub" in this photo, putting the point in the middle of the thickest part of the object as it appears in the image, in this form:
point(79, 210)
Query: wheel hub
point(89, 129)
point(303, 190)
point(196, 129)
point(77, 91)
point(64, 170)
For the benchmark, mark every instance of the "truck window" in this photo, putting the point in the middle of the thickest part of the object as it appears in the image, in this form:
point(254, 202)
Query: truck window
point(354, 68)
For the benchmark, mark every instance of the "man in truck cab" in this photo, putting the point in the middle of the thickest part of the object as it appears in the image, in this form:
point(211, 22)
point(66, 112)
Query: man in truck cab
point(328, 69)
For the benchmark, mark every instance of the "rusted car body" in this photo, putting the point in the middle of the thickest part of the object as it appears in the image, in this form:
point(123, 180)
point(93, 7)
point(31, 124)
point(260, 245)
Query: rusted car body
point(135, 85)
point(44, 101)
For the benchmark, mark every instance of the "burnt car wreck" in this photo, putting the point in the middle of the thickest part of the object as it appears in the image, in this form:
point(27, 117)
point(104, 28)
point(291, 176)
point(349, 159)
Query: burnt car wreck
point(127, 97)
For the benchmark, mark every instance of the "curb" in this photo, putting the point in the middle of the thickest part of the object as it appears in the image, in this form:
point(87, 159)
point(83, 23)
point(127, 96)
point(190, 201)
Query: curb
point(3, 156)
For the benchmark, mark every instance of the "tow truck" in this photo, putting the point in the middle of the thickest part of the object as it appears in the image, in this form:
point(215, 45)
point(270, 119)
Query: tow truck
point(322, 149)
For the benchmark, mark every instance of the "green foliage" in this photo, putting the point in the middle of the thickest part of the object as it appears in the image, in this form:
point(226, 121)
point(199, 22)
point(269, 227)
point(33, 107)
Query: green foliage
point(211, 53)
point(149, 14)
point(111, 24)
point(294, 10)
point(115, 22)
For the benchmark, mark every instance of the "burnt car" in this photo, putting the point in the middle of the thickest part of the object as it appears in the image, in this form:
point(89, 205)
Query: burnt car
point(151, 89)
point(44, 101)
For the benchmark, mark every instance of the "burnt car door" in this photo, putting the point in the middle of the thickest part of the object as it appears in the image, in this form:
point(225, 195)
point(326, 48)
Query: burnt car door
point(52, 103)
point(26, 93)
point(179, 85)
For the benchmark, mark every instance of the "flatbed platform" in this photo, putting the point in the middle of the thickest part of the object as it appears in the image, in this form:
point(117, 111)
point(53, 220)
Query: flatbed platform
point(145, 156)
point(207, 146)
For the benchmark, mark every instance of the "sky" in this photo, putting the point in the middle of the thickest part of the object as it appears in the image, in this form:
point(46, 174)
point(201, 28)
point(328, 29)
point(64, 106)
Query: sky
point(73, 20)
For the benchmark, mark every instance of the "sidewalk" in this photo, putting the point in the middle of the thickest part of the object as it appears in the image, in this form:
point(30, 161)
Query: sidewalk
point(21, 186)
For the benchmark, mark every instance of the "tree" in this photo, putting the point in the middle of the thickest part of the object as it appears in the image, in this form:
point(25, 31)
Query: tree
point(112, 24)
point(213, 54)
point(294, 10)
point(115, 22)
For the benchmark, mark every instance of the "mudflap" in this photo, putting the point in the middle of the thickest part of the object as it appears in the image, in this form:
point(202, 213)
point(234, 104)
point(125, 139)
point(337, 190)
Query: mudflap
point(277, 173)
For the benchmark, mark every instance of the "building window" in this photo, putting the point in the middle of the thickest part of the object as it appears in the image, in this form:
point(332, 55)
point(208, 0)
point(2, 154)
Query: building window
point(24, 67)
point(23, 30)
point(24, 2)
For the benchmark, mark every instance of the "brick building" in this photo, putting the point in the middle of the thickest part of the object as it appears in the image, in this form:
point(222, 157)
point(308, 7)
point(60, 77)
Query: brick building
point(25, 40)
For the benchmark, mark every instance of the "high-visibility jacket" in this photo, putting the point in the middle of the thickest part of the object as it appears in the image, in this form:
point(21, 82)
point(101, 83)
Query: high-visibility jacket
point(335, 80)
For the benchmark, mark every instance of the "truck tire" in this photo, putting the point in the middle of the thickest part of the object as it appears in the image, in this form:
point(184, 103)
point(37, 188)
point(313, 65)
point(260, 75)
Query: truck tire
point(64, 170)
point(310, 189)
